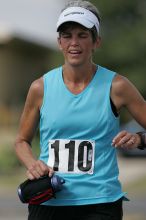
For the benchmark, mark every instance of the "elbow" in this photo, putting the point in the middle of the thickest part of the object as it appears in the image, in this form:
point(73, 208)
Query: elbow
point(20, 142)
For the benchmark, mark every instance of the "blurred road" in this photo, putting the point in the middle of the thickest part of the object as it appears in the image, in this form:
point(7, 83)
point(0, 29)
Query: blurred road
point(130, 170)
point(11, 208)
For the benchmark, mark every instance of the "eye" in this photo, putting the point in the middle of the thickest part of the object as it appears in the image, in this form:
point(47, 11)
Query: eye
point(83, 35)
point(66, 35)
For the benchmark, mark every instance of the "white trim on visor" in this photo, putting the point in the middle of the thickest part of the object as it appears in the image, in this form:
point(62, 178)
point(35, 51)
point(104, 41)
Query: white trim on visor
point(79, 15)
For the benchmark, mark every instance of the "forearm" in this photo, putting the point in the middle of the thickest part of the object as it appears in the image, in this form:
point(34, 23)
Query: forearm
point(24, 153)
point(35, 168)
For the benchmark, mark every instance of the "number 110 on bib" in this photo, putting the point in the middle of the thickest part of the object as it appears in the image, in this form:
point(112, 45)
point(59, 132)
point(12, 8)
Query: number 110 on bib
point(72, 156)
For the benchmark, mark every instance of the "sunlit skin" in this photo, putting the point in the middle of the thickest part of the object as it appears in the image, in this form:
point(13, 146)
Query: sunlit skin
point(77, 47)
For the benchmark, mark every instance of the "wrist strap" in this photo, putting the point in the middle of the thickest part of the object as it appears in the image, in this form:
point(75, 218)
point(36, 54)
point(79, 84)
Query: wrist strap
point(142, 136)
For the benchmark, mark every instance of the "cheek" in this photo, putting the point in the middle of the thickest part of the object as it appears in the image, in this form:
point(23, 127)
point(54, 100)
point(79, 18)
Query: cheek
point(63, 46)
point(88, 45)
point(89, 49)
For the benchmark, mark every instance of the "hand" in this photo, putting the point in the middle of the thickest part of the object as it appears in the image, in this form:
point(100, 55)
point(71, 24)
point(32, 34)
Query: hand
point(126, 140)
point(38, 169)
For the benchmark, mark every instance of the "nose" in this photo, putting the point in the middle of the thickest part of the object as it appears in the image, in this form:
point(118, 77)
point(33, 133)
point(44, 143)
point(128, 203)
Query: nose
point(74, 41)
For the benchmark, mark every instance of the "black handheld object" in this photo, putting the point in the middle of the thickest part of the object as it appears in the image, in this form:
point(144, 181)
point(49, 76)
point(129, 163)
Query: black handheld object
point(39, 190)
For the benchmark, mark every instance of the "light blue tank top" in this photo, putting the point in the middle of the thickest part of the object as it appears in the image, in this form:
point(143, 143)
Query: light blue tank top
point(76, 133)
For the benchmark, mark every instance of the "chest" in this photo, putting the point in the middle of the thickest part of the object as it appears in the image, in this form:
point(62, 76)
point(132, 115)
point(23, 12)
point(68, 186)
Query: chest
point(76, 114)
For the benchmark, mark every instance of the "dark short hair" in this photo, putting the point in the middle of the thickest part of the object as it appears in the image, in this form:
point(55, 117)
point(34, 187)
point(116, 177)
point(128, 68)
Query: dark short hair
point(71, 25)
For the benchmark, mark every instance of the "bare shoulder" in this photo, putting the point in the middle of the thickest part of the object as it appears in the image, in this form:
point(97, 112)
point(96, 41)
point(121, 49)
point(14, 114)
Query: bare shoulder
point(120, 83)
point(37, 86)
point(123, 91)
point(36, 92)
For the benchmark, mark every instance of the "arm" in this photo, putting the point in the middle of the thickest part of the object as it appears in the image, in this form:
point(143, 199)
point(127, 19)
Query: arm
point(125, 94)
point(28, 125)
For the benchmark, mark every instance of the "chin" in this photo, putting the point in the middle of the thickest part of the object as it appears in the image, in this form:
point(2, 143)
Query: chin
point(75, 63)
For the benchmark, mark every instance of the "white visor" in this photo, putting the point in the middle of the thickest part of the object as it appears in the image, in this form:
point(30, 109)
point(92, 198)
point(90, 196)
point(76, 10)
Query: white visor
point(79, 15)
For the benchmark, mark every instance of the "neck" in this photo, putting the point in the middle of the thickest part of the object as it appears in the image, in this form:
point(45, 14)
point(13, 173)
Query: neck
point(78, 74)
point(77, 79)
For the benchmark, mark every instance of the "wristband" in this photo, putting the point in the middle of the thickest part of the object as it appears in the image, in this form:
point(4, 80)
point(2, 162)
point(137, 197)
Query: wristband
point(142, 136)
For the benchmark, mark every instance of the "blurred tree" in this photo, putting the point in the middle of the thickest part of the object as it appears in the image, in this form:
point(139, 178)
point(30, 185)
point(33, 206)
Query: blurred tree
point(123, 32)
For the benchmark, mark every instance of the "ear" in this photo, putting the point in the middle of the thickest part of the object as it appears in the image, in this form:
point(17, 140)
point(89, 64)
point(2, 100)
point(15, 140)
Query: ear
point(59, 43)
point(98, 42)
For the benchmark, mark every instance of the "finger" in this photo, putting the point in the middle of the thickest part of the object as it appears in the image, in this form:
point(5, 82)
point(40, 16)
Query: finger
point(118, 137)
point(44, 168)
point(33, 171)
point(29, 175)
point(130, 143)
point(125, 139)
point(51, 171)
point(127, 143)
point(38, 169)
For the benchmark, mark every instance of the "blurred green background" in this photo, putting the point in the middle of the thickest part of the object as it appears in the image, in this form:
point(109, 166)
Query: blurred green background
point(123, 49)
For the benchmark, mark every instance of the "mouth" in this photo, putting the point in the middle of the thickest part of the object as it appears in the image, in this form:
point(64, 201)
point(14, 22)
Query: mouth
point(75, 52)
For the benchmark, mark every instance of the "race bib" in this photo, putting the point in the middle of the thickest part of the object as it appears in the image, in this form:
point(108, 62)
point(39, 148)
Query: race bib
point(72, 156)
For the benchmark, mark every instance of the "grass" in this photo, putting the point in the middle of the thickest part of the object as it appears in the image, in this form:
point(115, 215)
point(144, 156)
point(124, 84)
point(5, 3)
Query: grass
point(8, 161)
point(8, 158)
